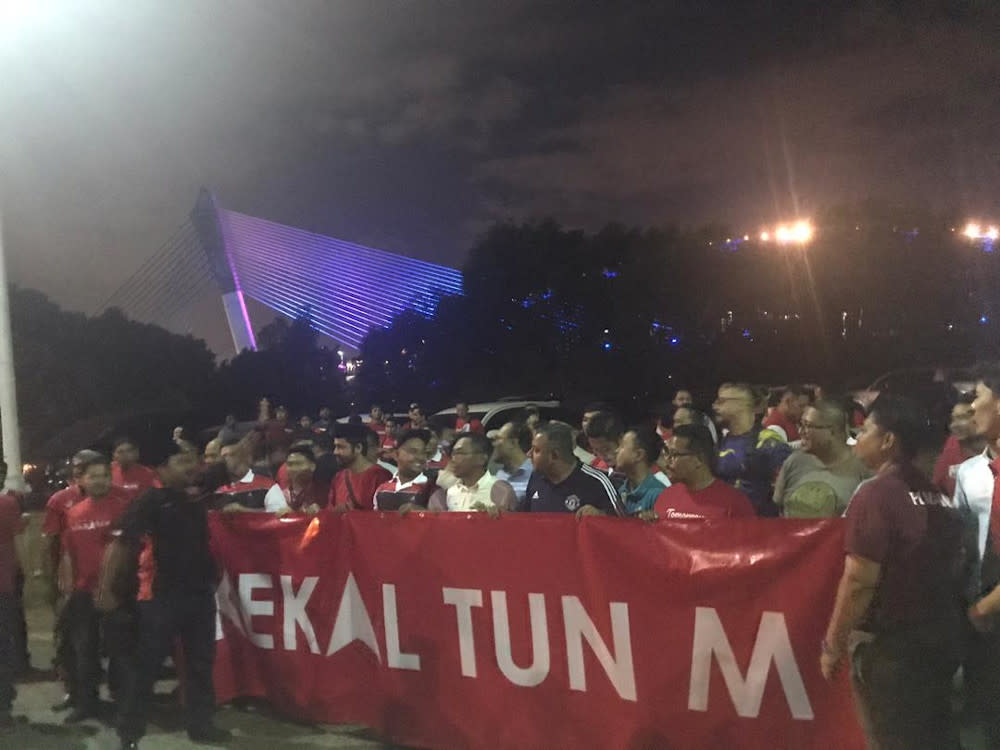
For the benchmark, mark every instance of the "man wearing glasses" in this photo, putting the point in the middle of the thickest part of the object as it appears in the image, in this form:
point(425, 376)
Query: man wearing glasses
point(749, 455)
point(696, 492)
point(819, 480)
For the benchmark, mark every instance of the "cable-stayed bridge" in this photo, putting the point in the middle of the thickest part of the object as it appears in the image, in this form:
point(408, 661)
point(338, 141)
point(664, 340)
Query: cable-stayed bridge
point(347, 288)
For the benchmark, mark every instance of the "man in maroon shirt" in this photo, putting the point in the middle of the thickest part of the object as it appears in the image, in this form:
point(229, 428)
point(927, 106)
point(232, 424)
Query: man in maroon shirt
point(898, 614)
point(89, 526)
point(696, 492)
point(462, 421)
point(11, 524)
point(359, 476)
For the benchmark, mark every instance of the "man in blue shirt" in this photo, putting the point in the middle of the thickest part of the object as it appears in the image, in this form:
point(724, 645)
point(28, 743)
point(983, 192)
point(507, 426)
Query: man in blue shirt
point(638, 451)
point(749, 456)
point(511, 444)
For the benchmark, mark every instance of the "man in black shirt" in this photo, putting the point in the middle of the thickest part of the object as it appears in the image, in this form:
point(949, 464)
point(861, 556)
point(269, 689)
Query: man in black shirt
point(175, 518)
point(560, 483)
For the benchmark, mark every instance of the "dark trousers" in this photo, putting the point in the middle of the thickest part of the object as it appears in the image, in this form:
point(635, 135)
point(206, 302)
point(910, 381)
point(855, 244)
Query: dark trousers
point(83, 629)
point(902, 689)
point(8, 656)
point(191, 617)
point(982, 683)
point(21, 654)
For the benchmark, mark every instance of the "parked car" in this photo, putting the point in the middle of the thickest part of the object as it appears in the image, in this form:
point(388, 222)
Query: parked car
point(495, 414)
point(924, 384)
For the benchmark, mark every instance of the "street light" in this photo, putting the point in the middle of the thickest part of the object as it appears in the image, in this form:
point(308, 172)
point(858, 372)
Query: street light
point(794, 233)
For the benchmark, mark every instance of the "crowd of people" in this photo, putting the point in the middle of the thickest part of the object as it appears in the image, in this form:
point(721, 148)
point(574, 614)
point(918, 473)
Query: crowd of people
point(127, 544)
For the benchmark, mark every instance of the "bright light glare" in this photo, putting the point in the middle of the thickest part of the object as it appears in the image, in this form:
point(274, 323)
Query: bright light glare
point(992, 233)
point(976, 231)
point(797, 233)
point(972, 231)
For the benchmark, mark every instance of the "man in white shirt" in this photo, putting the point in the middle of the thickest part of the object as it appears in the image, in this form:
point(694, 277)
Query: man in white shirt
point(476, 488)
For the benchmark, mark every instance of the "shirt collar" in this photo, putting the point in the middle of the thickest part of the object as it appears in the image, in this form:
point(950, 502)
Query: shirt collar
point(247, 478)
point(421, 478)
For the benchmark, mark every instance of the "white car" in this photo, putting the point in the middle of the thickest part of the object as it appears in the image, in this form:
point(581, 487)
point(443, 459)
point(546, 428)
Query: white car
point(495, 414)
point(923, 384)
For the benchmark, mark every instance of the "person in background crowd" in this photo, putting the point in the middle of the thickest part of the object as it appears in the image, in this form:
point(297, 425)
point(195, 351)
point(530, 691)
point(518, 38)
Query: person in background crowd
point(638, 451)
point(962, 444)
point(53, 549)
point(126, 471)
point(182, 602)
point(664, 424)
point(246, 490)
point(532, 418)
point(418, 420)
point(355, 484)
point(438, 457)
point(11, 524)
point(819, 480)
point(228, 430)
point(387, 446)
point(325, 421)
point(462, 421)
point(687, 413)
point(696, 492)
point(304, 429)
point(749, 457)
point(213, 451)
point(22, 658)
point(682, 397)
point(263, 411)
point(977, 493)
point(303, 493)
point(377, 420)
point(374, 443)
point(898, 615)
point(785, 417)
point(89, 526)
point(277, 432)
point(511, 444)
point(326, 462)
point(476, 489)
point(410, 488)
point(604, 433)
point(560, 483)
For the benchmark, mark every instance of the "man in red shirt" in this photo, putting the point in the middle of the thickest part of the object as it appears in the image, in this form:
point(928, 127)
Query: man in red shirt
point(89, 526)
point(355, 484)
point(696, 492)
point(462, 421)
point(11, 524)
point(376, 420)
point(788, 412)
point(127, 472)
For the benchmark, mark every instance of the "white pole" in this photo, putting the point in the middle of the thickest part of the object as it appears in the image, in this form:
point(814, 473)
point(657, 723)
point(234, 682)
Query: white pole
point(8, 391)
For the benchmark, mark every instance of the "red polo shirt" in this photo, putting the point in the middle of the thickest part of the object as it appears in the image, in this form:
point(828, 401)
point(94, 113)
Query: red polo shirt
point(136, 478)
point(947, 464)
point(54, 521)
point(363, 485)
point(89, 527)
point(468, 425)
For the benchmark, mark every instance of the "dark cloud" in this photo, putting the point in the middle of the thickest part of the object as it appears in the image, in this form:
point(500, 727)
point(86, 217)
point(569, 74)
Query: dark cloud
point(412, 125)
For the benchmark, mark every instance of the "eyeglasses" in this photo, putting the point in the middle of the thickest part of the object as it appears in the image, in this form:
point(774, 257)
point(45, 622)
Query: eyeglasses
point(803, 426)
point(674, 455)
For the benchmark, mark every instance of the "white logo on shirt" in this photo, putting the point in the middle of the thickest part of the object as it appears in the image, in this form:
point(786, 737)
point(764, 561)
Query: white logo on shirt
point(535, 496)
point(572, 502)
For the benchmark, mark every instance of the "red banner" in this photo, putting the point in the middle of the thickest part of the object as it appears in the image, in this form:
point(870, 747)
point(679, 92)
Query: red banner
point(458, 630)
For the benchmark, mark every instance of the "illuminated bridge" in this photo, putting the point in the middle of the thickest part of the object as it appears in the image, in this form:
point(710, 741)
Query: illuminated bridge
point(347, 288)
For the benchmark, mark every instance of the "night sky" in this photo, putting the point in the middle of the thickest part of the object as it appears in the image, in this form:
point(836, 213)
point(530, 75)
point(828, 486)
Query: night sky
point(411, 126)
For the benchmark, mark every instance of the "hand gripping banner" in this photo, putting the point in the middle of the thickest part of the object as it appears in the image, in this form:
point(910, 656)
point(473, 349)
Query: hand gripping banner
point(458, 630)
